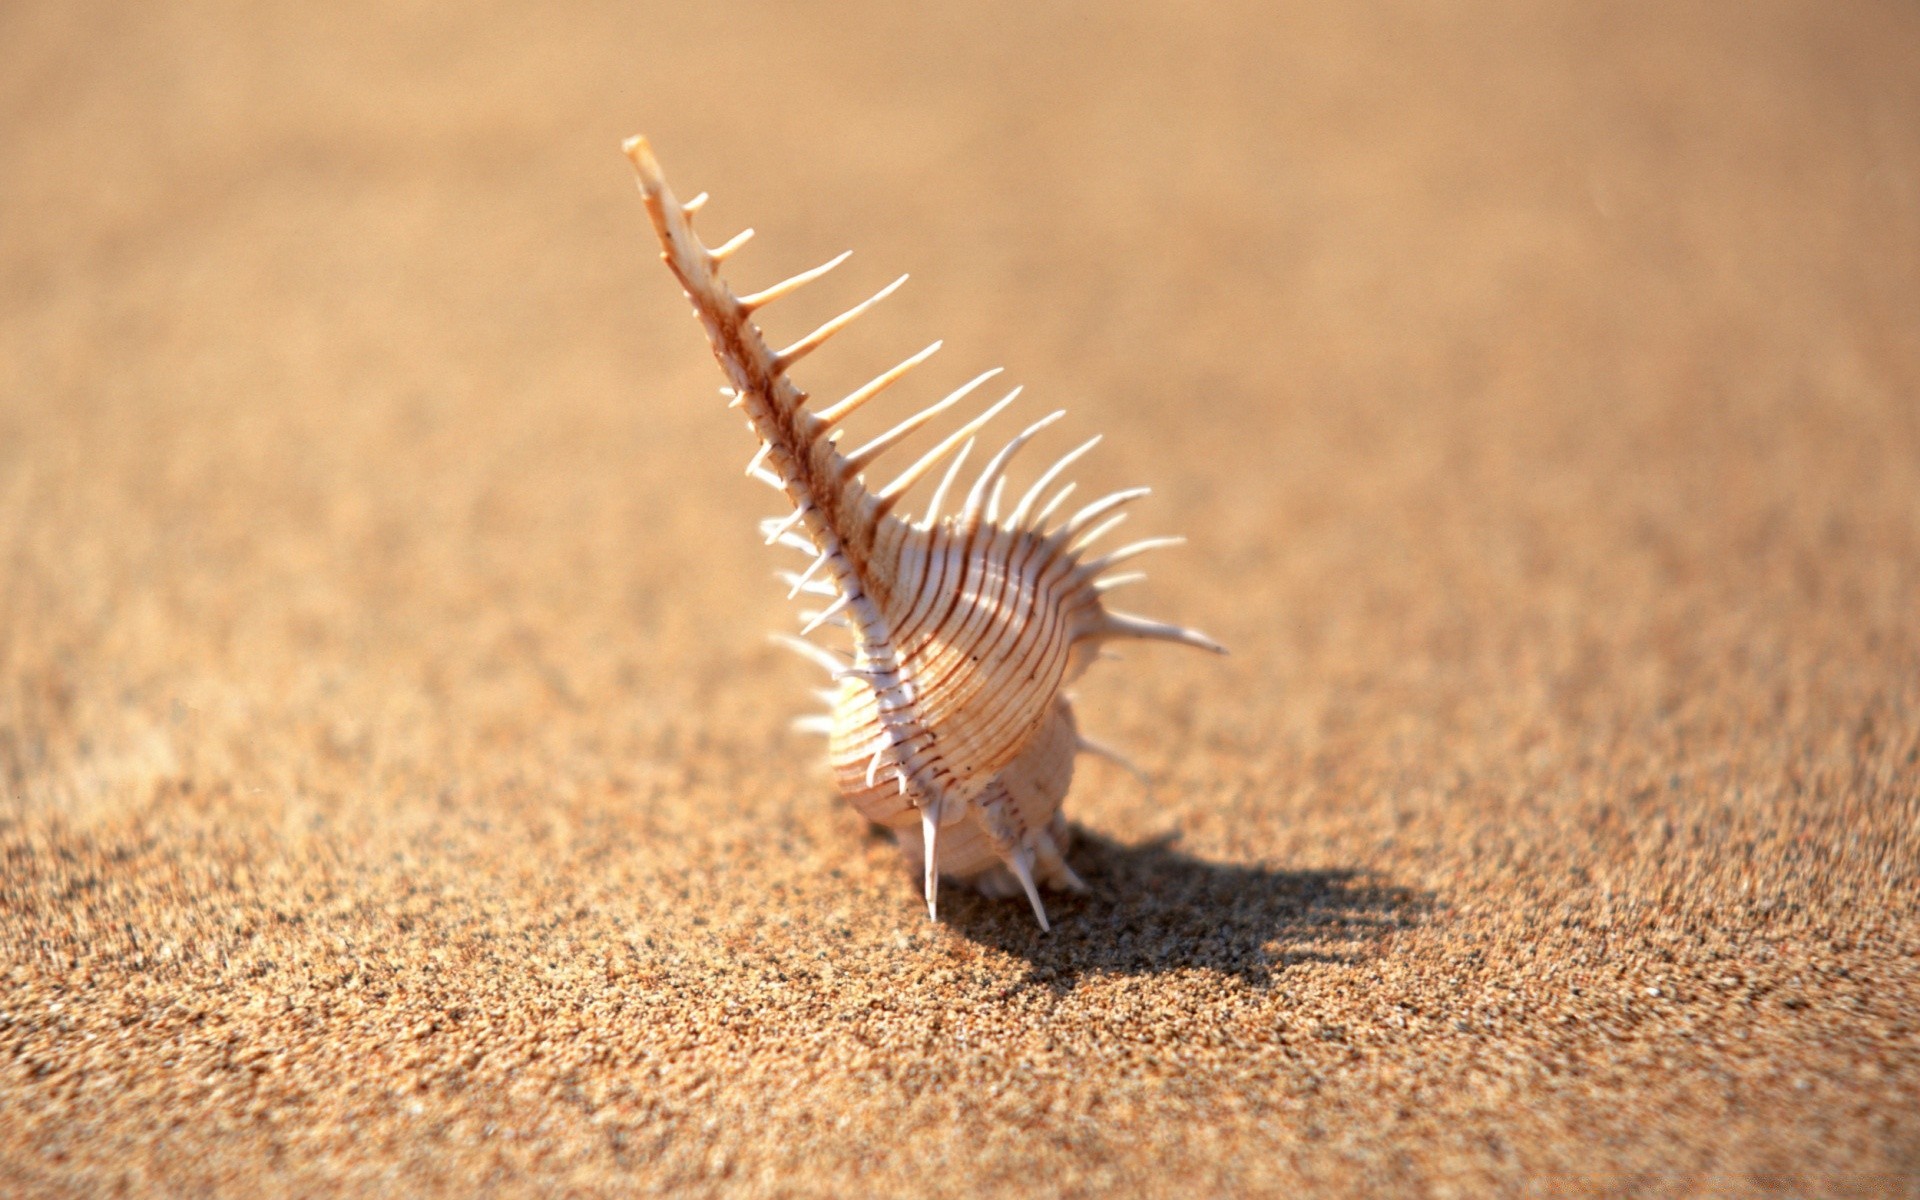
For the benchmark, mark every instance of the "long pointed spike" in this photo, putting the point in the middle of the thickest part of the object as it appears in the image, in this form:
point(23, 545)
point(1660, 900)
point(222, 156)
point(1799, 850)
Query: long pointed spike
point(817, 655)
point(1103, 586)
point(820, 724)
point(993, 499)
point(946, 481)
point(827, 614)
point(1059, 498)
point(878, 446)
point(1130, 550)
point(813, 341)
point(694, 205)
point(1101, 507)
point(726, 249)
point(930, 839)
point(786, 525)
point(759, 456)
point(769, 478)
point(1040, 485)
point(1048, 852)
point(1092, 535)
point(1024, 873)
point(807, 575)
point(890, 495)
point(786, 287)
point(1087, 745)
point(829, 417)
point(996, 467)
point(812, 587)
point(1126, 625)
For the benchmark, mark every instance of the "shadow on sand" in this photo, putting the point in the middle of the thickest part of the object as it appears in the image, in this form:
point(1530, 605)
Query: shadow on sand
point(1152, 909)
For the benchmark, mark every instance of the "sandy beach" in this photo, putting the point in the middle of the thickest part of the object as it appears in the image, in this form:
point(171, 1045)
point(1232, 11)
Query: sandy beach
point(399, 794)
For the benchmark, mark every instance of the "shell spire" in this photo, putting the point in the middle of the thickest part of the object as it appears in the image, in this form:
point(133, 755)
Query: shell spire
point(948, 721)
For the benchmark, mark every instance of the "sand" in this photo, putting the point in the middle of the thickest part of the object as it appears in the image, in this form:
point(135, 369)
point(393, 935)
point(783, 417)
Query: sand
point(399, 797)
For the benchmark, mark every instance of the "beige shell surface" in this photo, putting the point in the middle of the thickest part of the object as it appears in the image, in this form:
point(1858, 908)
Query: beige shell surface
point(948, 724)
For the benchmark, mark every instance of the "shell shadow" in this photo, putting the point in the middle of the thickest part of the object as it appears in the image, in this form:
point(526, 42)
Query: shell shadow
point(1152, 909)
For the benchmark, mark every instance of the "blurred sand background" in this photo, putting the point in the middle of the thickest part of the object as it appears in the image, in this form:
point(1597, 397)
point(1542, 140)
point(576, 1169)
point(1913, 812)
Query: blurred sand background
point(398, 792)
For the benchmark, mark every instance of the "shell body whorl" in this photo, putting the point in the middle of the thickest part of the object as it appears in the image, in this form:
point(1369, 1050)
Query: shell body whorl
point(948, 724)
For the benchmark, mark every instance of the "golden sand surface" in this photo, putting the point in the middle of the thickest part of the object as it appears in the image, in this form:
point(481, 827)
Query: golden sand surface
point(399, 798)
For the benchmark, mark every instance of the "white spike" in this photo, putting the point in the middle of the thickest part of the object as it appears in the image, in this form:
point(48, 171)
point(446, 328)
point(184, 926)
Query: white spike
point(1093, 535)
point(815, 723)
point(827, 614)
point(1050, 857)
point(1130, 550)
point(769, 478)
point(882, 745)
point(1022, 871)
point(804, 576)
point(725, 250)
point(1040, 485)
point(930, 837)
point(794, 541)
point(1126, 625)
point(998, 464)
point(1101, 750)
point(786, 525)
point(812, 587)
point(808, 344)
point(1059, 498)
point(1100, 507)
point(787, 287)
point(1103, 586)
point(888, 495)
point(831, 416)
point(946, 481)
point(818, 655)
point(873, 449)
point(759, 456)
point(694, 205)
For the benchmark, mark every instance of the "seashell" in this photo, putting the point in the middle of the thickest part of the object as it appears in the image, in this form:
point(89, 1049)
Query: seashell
point(948, 724)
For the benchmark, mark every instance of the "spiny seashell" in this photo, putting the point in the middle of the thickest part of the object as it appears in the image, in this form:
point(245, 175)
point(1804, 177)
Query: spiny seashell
point(948, 724)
